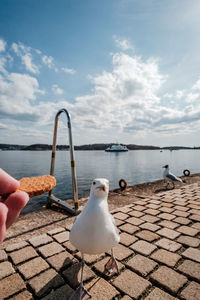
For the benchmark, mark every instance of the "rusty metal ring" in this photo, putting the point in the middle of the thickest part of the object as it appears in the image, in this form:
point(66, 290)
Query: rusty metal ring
point(123, 184)
point(186, 172)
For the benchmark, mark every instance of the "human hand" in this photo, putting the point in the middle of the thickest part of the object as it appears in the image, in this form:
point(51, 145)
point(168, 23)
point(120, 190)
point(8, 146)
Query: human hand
point(11, 201)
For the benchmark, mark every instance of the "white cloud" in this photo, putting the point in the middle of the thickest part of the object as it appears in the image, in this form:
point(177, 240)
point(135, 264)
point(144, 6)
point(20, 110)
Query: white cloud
point(70, 71)
point(123, 44)
point(56, 90)
point(196, 86)
point(24, 53)
point(2, 45)
point(192, 97)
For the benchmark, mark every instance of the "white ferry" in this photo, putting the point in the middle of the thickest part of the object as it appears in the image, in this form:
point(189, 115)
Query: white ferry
point(116, 148)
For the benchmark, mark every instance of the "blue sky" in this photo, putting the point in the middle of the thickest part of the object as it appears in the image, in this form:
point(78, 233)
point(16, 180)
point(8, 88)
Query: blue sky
point(126, 70)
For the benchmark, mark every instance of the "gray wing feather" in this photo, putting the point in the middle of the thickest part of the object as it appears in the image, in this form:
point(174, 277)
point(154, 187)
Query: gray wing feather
point(173, 177)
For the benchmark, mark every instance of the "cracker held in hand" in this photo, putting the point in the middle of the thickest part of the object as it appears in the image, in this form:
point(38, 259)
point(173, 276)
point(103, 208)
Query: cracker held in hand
point(35, 186)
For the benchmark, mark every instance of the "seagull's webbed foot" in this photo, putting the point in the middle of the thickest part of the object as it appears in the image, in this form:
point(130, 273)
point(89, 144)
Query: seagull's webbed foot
point(111, 266)
point(80, 294)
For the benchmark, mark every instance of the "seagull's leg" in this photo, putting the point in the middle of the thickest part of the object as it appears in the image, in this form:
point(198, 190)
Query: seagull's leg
point(111, 266)
point(81, 293)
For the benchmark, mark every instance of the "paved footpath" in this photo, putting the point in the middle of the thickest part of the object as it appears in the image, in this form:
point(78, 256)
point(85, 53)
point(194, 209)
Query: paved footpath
point(158, 255)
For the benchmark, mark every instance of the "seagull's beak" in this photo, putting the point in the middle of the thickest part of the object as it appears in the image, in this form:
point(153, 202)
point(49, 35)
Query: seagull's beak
point(102, 187)
point(163, 167)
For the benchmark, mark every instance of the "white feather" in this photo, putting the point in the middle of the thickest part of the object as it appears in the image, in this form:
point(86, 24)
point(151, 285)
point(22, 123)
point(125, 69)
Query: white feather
point(94, 231)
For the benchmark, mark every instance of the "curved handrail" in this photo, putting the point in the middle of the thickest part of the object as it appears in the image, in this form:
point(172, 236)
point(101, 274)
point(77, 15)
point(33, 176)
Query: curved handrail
point(71, 147)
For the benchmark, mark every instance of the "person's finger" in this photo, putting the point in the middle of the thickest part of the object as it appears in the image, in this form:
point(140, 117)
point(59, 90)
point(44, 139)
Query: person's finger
point(7, 183)
point(3, 217)
point(15, 202)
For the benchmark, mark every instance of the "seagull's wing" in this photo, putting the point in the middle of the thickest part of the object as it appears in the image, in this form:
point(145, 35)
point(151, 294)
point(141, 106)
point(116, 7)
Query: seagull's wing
point(173, 177)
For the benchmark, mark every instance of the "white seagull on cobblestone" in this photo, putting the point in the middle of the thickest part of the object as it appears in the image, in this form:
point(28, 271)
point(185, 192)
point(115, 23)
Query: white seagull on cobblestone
point(168, 175)
point(94, 231)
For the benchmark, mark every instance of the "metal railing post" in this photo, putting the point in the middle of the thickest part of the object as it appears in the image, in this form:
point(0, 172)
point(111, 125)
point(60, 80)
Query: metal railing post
point(51, 198)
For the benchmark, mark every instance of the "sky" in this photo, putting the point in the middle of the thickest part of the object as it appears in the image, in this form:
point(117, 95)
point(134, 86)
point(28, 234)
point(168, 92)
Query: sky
point(127, 71)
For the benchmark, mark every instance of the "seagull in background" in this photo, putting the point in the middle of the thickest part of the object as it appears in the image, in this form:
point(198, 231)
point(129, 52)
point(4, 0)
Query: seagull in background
point(94, 231)
point(168, 175)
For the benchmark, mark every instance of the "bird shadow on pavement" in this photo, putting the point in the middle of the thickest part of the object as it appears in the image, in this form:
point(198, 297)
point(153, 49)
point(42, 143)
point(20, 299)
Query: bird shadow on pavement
point(57, 282)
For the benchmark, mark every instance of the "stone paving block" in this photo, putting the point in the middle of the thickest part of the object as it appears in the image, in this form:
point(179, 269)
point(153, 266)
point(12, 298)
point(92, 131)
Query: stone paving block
point(191, 292)
point(131, 284)
point(121, 252)
point(23, 254)
point(45, 282)
point(33, 267)
point(129, 228)
point(150, 226)
point(118, 222)
point(188, 230)
point(51, 249)
point(183, 208)
point(90, 259)
point(101, 289)
point(56, 230)
point(3, 255)
point(16, 246)
point(167, 216)
point(151, 211)
point(6, 269)
point(125, 209)
point(22, 296)
point(147, 235)
point(40, 240)
point(62, 237)
point(169, 278)
point(121, 216)
point(164, 204)
point(188, 241)
point(73, 274)
point(134, 221)
point(196, 225)
point(70, 247)
point(143, 247)
point(168, 224)
point(140, 202)
point(181, 213)
point(99, 266)
point(11, 285)
point(181, 220)
point(141, 264)
point(166, 209)
point(136, 213)
point(150, 219)
point(158, 294)
point(195, 218)
point(61, 261)
point(166, 257)
point(62, 293)
point(153, 206)
point(139, 207)
point(194, 206)
point(127, 239)
point(194, 211)
point(192, 253)
point(168, 233)
point(191, 268)
point(168, 244)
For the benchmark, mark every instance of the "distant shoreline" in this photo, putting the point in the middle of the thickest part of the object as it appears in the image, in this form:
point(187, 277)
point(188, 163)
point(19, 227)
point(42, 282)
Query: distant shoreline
point(90, 147)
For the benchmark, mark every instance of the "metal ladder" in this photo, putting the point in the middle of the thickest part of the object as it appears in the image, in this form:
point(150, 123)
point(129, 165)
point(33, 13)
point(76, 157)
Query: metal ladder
point(51, 198)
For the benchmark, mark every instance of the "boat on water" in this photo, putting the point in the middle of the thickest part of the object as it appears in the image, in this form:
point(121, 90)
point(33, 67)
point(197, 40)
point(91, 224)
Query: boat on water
point(116, 148)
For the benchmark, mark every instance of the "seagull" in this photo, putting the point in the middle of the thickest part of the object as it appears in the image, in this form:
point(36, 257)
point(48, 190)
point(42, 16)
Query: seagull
point(94, 231)
point(168, 175)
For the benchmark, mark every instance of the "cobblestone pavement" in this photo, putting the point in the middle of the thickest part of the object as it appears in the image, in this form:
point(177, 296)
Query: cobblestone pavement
point(158, 255)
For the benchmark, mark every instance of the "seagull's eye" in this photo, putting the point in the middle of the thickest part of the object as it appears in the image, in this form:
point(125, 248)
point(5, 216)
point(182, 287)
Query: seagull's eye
point(94, 182)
